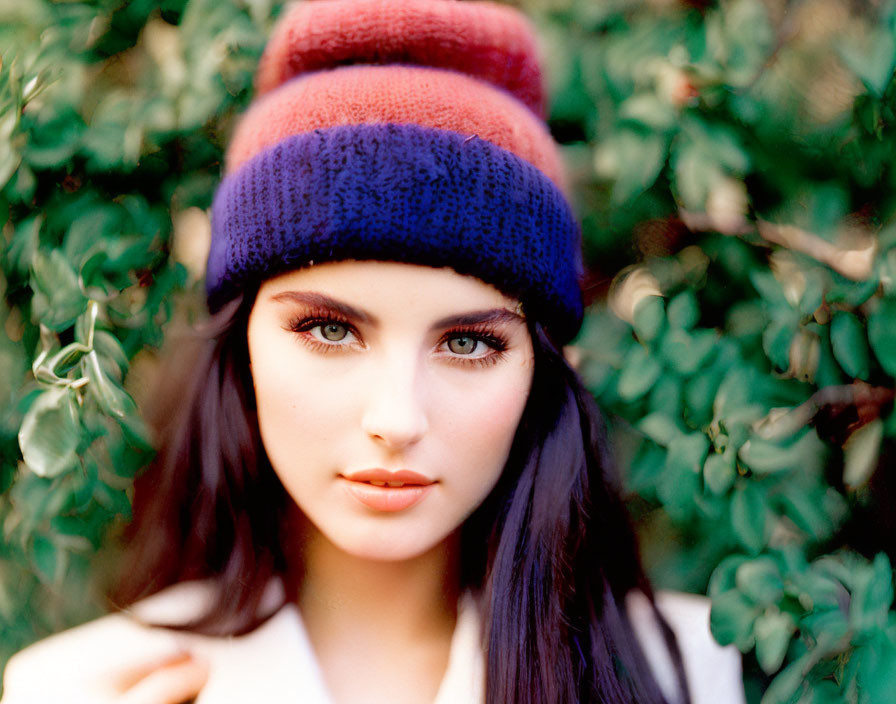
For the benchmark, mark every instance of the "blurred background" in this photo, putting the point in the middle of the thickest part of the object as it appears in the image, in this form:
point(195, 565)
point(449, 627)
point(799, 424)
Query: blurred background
point(734, 172)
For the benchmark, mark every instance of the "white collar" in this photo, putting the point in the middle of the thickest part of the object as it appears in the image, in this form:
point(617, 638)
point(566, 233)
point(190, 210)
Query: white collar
point(276, 663)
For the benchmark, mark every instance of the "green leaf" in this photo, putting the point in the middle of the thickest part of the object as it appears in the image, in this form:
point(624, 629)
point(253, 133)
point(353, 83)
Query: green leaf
point(648, 317)
point(22, 185)
point(24, 245)
point(699, 394)
point(719, 472)
point(890, 424)
point(783, 689)
point(849, 292)
point(828, 692)
point(646, 469)
point(773, 631)
point(50, 433)
point(55, 142)
point(760, 581)
point(731, 619)
point(813, 293)
point(679, 485)
point(872, 596)
point(815, 510)
point(819, 592)
point(659, 427)
point(765, 457)
point(10, 161)
point(739, 37)
point(45, 557)
point(735, 392)
point(111, 397)
point(723, 576)
point(882, 334)
point(683, 310)
point(58, 300)
point(665, 396)
point(694, 175)
point(95, 228)
point(687, 452)
point(649, 110)
point(749, 514)
point(776, 341)
point(850, 345)
point(877, 668)
point(686, 351)
point(639, 373)
point(827, 371)
point(109, 349)
point(638, 158)
point(827, 626)
point(63, 361)
point(769, 288)
point(873, 61)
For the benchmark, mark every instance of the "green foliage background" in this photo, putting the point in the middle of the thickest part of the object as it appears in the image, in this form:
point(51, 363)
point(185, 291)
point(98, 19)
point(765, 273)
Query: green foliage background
point(735, 175)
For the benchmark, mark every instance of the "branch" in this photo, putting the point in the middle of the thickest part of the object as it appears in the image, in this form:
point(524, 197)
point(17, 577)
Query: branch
point(868, 400)
point(856, 262)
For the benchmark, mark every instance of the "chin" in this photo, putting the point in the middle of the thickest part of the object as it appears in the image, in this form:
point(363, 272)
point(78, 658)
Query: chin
point(377, 547)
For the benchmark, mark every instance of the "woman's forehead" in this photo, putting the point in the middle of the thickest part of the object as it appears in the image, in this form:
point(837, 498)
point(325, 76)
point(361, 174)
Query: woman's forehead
point(375, 288)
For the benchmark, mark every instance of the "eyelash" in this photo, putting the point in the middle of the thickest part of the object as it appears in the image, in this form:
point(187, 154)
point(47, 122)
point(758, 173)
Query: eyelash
point(302, 325)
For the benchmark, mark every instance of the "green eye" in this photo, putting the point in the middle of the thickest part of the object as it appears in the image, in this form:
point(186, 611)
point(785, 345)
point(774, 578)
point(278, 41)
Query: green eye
point(334, 332)
point(463, 345)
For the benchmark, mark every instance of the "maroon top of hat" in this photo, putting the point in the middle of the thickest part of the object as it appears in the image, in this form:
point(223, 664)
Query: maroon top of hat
point(491, 42)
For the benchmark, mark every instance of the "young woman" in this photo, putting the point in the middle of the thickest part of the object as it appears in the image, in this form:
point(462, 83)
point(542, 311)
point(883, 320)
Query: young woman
point(378, 479)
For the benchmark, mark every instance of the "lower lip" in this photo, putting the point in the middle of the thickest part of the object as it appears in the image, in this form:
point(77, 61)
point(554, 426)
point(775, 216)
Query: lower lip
point(385, 498)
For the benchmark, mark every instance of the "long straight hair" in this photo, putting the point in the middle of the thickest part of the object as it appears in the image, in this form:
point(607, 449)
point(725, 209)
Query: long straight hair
point(552, 577)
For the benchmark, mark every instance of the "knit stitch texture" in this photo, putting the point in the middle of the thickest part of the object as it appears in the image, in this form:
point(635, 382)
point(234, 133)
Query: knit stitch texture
point(398, 94)
point(399, 193)
point(490, 42)
point(427, 148)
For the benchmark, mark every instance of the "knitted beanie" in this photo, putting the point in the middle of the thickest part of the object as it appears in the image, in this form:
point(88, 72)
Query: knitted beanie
point(400, 130)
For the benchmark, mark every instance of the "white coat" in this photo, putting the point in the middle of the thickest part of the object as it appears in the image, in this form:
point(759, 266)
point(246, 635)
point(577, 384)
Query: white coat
point(276, 664)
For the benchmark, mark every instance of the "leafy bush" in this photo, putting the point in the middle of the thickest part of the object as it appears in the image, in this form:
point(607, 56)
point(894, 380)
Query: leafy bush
point(742, 154)
point(735, 176)
point(111, 116)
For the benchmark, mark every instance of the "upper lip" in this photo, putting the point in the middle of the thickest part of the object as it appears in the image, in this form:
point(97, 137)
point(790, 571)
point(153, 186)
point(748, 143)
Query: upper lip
point(404, 476)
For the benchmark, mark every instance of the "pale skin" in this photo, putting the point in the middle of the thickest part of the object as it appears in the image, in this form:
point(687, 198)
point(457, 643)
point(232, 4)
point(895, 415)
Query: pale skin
point(375, 365)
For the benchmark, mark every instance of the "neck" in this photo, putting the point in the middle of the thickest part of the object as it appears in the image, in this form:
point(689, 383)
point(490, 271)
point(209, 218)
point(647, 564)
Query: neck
point(389, 600)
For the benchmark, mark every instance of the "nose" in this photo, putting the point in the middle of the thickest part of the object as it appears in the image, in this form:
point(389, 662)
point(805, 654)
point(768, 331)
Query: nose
point(395, 416)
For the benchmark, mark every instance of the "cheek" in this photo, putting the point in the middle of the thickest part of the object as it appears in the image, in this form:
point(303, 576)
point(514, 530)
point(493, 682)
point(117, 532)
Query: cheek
point(480, 428)
point(300, 408)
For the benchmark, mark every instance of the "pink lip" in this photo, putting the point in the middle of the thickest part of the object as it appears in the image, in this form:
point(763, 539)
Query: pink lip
point(384, 475)
point(387, 499)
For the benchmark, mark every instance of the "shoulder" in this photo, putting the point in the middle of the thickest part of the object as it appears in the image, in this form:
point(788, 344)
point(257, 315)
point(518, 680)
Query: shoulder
point(89, 662)
point(96, 662)
point(713, 672)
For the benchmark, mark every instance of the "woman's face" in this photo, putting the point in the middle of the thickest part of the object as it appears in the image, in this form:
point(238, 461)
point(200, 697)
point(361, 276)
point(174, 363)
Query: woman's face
point(388, 397)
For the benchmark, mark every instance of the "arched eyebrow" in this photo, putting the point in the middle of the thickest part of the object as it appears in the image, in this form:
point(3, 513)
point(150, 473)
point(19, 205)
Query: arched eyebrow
point(319, 300)
point(495, 315)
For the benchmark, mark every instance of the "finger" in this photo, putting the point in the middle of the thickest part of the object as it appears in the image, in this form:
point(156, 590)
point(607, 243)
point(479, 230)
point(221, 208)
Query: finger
point(175, 683)
point(126, 677)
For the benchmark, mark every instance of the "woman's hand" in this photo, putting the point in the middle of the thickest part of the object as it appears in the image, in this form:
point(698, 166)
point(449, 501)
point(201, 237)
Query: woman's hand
point(173, 677)
point(174, 680)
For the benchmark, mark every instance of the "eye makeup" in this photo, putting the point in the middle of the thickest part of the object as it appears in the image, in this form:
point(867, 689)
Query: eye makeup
point(488, 334)
point(302, 326)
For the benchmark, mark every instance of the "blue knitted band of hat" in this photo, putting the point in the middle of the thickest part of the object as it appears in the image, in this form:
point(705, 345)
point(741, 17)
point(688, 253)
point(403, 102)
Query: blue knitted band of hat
point(401, 193)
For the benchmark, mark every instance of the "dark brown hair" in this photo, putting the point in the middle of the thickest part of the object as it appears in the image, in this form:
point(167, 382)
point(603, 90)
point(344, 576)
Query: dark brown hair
point(552, 576)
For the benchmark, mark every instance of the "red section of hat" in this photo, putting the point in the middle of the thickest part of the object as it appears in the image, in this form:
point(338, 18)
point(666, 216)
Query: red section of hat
point(356, 95)
point(487, 41)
